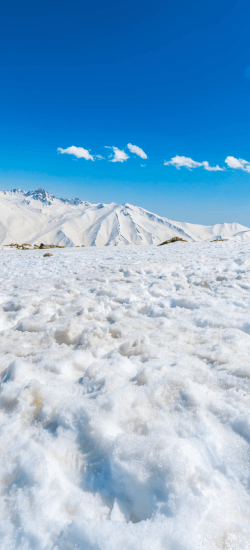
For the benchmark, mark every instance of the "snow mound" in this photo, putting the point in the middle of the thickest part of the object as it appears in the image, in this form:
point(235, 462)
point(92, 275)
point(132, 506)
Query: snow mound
point(242, 236)
point(38, 216)
point(124, 404)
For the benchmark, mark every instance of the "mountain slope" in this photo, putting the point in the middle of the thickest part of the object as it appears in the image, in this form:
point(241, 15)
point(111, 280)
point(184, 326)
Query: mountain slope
point(38, 216)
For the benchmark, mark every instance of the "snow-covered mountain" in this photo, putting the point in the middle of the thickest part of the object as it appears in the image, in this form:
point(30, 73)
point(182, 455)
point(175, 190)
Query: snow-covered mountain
point(38, 216)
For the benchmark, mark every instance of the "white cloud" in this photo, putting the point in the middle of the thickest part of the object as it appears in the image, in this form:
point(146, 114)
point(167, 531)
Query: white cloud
point(143, 165)
point(212, 168)
point(183, 161)
point(137, 150)
point(119, 155)
point(99, 157)
point(238, 164)
point(78, 152)
point(187, 162)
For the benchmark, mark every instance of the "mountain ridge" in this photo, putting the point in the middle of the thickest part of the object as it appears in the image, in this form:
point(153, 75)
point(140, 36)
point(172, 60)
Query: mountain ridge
point(38, 216)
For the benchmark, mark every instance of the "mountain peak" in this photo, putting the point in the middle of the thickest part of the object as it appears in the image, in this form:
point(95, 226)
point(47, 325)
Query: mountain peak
point(40, 195)
point(38, 216)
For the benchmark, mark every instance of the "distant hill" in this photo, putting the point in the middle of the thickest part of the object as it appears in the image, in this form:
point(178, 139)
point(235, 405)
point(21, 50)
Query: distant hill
point(38, 216)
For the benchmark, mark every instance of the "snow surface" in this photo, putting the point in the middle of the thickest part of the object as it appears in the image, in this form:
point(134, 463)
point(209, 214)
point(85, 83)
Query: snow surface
point(124, 405)
point(38, 216)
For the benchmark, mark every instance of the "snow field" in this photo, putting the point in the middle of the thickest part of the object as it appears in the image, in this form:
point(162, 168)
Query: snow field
point(124, 405)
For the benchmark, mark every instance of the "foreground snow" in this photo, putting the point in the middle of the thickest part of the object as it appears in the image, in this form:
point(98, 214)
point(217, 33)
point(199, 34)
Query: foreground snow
point(36, 217)
point(124, 408)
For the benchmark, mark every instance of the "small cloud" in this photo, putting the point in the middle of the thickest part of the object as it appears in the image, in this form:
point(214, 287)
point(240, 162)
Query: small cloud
point(119, 155)
point(238, 164)
point(77, 152)
point(99, 157)
point(143, 165)
point(137, 150)
point(212, 168)
point(189, 163)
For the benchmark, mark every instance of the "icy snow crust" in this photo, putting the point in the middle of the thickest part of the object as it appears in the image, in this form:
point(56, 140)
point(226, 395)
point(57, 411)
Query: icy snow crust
point(38, 216)
point(124, 405)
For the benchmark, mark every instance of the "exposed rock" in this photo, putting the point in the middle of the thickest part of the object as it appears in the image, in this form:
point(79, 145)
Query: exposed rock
point(173, 240)
point(218, 240)
point(36, 246)
point(48, 254)
point(19, 246)
point(44, 246)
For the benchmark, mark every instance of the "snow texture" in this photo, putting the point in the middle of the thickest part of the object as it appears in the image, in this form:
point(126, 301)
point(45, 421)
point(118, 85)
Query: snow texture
point(38, 216)
point(124, 405)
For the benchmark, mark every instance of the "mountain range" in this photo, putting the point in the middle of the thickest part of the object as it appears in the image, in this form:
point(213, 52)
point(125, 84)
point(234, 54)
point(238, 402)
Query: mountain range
point(38, 216)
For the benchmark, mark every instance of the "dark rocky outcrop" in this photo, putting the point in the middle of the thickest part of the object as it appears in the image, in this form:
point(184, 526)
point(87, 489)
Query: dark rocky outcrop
point(44, 246)
point(173, 240)
point(25, 246)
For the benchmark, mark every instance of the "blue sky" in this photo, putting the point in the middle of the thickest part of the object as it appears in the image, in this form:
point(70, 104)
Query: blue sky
point(172, 78)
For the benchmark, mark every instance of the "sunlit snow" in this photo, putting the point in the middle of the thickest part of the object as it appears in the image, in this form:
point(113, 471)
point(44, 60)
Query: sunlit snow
point(38, 216)
point(124, 405)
